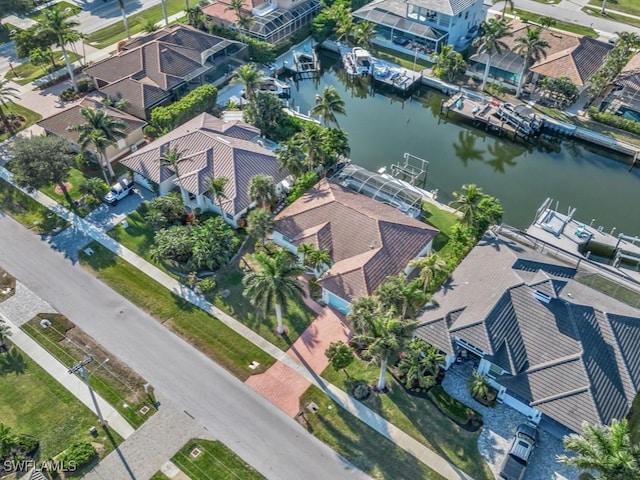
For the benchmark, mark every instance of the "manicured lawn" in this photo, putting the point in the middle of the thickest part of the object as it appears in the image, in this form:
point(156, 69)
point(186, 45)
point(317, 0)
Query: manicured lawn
point(67, 9)
point(360, 444)
point(114, 381)
point(613, 16)
point(33, 403)
point(114, 33)
point(417, 417)
point(569, 27)
point(206, 333)
point(28, 72)
point(214, 461)
point(442, 220)
point(398, 58)
point(75, 179)
point(27, 211)
point(159, 476)
point(30, 117)
point(626, 6)
point(138, 237)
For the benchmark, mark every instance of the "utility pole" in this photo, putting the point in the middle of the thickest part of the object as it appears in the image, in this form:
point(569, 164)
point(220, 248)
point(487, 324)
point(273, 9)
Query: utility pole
point(80, 369)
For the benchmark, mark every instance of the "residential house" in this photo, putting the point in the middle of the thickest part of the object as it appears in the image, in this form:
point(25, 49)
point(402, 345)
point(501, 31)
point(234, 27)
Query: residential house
point(569, 55)
point(58, 125)
point(157, 68)
point(624, 97)
point(557, 350)
point(367, 240)
point(272, 21)
point(210, 147)
point(423, 26)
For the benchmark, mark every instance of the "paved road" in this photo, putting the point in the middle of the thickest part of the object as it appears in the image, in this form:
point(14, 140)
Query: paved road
point(256, 430)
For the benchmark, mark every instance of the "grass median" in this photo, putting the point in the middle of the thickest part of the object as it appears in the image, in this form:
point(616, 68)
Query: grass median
point(223, 345)
point(559, 25)
point(30, 117)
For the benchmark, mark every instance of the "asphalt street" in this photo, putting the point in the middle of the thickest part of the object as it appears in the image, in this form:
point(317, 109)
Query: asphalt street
point(252, 427)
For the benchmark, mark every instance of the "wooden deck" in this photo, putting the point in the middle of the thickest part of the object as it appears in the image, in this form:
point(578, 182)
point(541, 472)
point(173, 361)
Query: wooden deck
point(481, 112)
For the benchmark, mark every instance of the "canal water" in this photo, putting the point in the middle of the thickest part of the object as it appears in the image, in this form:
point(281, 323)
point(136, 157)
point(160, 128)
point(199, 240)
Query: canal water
point(383, 126)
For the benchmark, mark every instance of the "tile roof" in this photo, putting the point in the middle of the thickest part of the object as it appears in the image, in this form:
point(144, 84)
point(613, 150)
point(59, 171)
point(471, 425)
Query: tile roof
point(221, 10)
point(366, 239)
point(573, 354)
point(210, 147)
point(57, 124)
point(151, 66)
point(629, 76)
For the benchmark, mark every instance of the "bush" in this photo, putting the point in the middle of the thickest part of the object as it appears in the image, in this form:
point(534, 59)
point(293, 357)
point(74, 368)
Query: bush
point(26, 444)
point(199, 100)
point(69, 95)
point(77, 455)
point(207, 285)
point(614, 121)
point(151, 131)
point(86, 85)
point(452, 408)
point(304, 183)
point(361, 391)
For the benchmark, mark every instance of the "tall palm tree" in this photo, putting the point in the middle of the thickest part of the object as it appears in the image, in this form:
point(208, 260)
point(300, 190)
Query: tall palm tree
point(125, 21)
point(491, 42)
point(328, 104)
point(420, 360)
point(363, 33)
point(344, 24)
point(237, 6)
point(5, 333)
point(216, 188)
point(291, 159)
point(430, 267)
point(260, 223)
point(508, 3)
point(244, 22)
point(533, 48)
point(401, 296)
point(311, 141)
point(363, 309)
point(101, 130)
point(467, 201)
point(262, 190)
point(273, 282)
point(7, 94)
point(318, 259)
point(607, 450)
point(387, 336)
point(250, 77)
point(172, 157)
point(194, 16)
point(450, 65)
point(55, 23)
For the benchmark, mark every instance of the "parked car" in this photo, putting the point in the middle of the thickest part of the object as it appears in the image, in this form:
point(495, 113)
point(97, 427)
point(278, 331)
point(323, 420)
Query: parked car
point(118, 191)
point(515, 464)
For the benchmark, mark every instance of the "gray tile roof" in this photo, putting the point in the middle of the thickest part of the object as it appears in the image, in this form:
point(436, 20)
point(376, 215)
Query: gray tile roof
point(366, 239)
point(57, 124)
point(210, 148)
point(447, 7)
point(574, 357)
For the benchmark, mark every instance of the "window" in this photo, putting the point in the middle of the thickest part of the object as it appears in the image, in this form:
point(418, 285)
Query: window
point(466, 14)
point(228, 215)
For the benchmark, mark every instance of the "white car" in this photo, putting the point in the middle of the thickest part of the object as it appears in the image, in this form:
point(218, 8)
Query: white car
point(119, 191)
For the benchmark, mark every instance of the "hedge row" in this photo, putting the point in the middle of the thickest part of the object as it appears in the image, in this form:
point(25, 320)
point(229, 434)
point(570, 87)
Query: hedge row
point(200, 100)
point(615, 121)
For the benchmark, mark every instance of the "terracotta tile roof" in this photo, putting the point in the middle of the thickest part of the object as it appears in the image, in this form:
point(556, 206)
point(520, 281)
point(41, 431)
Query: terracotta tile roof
point(222, 11)
point(57, 124)
point(210, 148)
point(590, 369)
point(630, 75)
point(367, 240)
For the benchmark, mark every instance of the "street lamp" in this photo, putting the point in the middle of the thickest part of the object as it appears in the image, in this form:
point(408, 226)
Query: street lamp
point(80, 369)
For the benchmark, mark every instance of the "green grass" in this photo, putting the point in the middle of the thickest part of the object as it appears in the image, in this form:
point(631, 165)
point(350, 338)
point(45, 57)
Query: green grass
point(559, 25)
point(30, 117)
point(112, 34)
point(206, 333)
point(613, 16)
point(418, 418)
point(62, 5)
point(159, 476)
point(28, 72)
point(360, 444)
point(398, 58)
point(443, 221)
point(626, 6)
point(215, 461)
point(34, 403)
point(75, 178)
point(27, 211)
point(139, 238)
point(115, 382)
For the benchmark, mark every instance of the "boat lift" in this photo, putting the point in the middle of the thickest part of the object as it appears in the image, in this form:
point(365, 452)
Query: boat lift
point(414, 169)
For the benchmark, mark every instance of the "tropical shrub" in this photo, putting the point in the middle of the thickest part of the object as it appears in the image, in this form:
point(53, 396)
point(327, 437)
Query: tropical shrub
point(201, 99)
point(452, 408)
point(163, 211)
point(614, 121)
point(207, 284)
point(77, 455)
point(303, 183)
point(361, 391)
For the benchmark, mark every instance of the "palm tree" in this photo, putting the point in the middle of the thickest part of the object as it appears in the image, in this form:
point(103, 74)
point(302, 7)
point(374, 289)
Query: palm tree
point(344, 24)
point(363, 310)
point(149, 26)
point(216, 188)
point(311, 140)
point(504, 7)
point(262, 190)
point(250, 77)
point(260, 223)
point(164, 12)
point(7, 94)
point(236, 6)
point(533, 48)
point(546, 22)
point(56, 24)
point(291, 159)
point(304, 250)
point(194, 16)
point(607, 450)
point(317, 259)
point(490, 42)
point(430, 267)
point(420, 360)
point(244, 22)
point(467, 201)
point(387, 336)
point(401, 296)
point(172, 157)
point(124, 18)
point(5, 333)
point(477, 384)
point(273, 282)
point(450, 64)
point(328, 104)
point(363, 33)
point(101, 130)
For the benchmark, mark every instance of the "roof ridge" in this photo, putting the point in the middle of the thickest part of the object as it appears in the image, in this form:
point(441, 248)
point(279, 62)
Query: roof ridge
point(555, 362)
point(568, 393)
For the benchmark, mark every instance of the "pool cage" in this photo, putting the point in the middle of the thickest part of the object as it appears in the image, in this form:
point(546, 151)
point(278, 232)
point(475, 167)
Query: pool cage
point(281, 24)
point(381, 187)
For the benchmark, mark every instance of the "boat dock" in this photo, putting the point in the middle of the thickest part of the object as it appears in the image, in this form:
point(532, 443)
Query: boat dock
point(396, 77)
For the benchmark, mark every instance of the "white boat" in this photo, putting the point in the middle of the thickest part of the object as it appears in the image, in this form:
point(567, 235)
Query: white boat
point(358, 62)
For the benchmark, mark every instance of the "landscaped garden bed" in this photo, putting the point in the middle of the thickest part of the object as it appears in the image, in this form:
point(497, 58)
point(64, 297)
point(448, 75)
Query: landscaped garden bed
point(114, 381)
point(7, 285)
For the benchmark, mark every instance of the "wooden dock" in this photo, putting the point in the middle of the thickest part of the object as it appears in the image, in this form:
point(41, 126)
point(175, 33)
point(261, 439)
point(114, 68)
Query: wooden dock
point(395, 77)
point(480, 112)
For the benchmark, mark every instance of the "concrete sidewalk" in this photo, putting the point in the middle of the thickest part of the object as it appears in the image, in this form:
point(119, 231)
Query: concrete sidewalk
point(375, 421)
point(73, 383)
